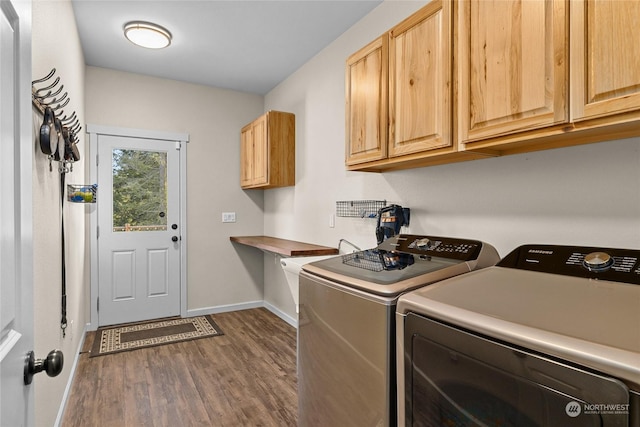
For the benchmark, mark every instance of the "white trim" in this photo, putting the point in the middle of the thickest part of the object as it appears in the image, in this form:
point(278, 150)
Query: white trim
point(72, 374)
point(94, 131)
point(225, 308)
point(244, 306)
point(183, 229)
point(281, 314)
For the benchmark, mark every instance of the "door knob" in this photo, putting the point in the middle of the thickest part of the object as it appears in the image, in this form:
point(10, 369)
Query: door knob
point(174, 239)
point(52, 365)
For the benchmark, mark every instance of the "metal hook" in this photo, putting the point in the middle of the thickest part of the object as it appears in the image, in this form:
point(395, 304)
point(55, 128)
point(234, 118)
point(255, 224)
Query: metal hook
point(66, 120)
point(56, 101)
point(44, 79)
point(51, 86)
point(49, 94)
point(57, 107)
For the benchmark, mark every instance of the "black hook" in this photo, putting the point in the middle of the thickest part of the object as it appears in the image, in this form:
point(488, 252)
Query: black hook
point(66, 119)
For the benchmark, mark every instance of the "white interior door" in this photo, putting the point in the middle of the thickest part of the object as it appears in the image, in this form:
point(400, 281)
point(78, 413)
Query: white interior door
point(16, 145)
point(139, 233)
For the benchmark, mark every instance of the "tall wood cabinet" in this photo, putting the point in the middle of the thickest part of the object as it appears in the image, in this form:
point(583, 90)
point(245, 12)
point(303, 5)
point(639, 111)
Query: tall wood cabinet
point(267, 151)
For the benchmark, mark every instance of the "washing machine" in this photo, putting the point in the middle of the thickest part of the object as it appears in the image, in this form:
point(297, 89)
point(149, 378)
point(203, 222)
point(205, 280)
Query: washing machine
point(346, 326)
point(550, 336)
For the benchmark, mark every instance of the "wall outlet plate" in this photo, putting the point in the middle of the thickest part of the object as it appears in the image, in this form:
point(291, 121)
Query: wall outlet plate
point(228, 217)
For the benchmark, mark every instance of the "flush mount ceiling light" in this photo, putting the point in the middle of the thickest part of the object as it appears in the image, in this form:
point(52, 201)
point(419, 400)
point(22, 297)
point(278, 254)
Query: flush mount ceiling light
point(147, 35)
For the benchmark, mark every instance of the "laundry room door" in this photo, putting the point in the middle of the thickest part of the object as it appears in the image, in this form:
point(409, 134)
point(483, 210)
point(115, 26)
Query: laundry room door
point(16, 241)
point(139, 229)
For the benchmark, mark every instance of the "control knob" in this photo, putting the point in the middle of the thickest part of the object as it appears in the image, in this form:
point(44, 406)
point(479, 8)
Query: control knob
point(597, 261)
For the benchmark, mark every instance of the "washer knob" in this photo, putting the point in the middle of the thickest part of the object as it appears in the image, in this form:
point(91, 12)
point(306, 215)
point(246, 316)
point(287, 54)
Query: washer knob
point(597, 261)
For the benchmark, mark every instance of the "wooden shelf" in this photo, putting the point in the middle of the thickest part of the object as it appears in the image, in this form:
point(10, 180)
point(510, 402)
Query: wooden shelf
point(284, 247)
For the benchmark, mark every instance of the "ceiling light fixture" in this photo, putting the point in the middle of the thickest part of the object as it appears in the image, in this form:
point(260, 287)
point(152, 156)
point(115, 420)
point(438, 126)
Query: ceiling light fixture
point(147, 35)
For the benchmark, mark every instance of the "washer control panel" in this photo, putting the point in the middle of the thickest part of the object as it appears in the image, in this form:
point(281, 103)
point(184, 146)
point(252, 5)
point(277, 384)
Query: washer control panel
point(618, 265)
point(426, 246)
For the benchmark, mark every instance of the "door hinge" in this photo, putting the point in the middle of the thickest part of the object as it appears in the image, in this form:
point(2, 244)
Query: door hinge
point(178, 145)
point(98, 304)
point(97, 161)
point(97, 232)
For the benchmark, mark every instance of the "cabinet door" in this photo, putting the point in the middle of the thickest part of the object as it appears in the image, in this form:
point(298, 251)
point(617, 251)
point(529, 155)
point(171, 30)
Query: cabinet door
point(366, 103)
point(260, 151)
point(420, 81)
point(246, 156)
point(605, 58)
point(512, 70)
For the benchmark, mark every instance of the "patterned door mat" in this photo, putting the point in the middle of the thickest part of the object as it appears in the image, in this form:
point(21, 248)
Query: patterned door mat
point(115, 339)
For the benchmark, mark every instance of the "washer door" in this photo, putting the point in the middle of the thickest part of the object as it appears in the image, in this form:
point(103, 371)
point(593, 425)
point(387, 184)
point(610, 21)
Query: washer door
point(455, 378)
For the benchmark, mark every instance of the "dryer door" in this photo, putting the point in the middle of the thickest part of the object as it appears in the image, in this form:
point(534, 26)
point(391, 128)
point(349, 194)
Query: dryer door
point(456, 378)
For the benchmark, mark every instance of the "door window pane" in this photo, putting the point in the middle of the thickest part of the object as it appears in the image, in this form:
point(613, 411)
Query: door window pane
point(139, 190)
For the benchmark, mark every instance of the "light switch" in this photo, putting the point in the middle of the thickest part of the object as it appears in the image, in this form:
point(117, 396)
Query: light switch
point(228, 217)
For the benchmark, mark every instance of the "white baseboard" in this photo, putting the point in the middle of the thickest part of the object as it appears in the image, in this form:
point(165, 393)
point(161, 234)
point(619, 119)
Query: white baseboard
point(244, 306)
point(281, 314)
point(72, 374)
point(224, 308)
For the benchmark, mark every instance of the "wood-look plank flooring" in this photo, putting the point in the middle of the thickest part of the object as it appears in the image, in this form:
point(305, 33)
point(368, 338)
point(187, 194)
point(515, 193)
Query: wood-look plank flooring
point(246, 377)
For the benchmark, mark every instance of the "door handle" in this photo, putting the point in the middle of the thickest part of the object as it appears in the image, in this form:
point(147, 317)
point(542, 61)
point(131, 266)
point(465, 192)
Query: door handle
point(174, 239)
point(52, 365)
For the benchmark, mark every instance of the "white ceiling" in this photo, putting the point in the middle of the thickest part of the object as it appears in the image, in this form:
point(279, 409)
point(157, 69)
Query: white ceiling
point(244, 45)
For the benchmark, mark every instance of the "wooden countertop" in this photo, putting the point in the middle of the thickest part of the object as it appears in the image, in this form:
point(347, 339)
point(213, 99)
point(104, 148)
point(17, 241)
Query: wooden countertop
point(284, 247)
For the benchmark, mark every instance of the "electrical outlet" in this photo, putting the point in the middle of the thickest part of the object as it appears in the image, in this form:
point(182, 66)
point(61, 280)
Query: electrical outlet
point(228, 217)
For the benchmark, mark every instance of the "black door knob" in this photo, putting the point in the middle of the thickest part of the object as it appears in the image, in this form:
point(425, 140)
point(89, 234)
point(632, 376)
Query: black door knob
point(174, 239)
point(52, 365)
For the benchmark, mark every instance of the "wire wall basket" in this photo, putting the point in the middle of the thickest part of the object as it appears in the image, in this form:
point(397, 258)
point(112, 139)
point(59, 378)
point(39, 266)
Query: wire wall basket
point(87, 193)
point(359, 208)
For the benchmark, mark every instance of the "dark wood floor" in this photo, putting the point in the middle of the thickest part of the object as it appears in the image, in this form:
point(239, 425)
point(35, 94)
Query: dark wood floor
point(246, 377)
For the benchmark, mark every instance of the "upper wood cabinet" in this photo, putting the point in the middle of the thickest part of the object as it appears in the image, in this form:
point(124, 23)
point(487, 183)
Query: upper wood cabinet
point(605, 59)
point(420, 73)
point(267, 151)
point(521, 75)
point(366, 92)
point(399, 95)
point(512, 70)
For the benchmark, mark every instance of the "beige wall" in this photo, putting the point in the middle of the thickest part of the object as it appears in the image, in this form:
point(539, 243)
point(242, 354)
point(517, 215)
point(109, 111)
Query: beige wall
point(581, 195)
point(221, 276)
point(55, 44)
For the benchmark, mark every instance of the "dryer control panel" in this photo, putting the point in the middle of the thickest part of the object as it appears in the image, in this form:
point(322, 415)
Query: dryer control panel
point(617, 265)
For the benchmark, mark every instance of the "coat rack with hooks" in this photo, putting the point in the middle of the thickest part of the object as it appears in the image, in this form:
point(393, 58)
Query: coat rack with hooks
point(58, 132)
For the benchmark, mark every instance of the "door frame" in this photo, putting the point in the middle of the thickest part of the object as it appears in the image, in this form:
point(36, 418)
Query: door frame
point(94, 132)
